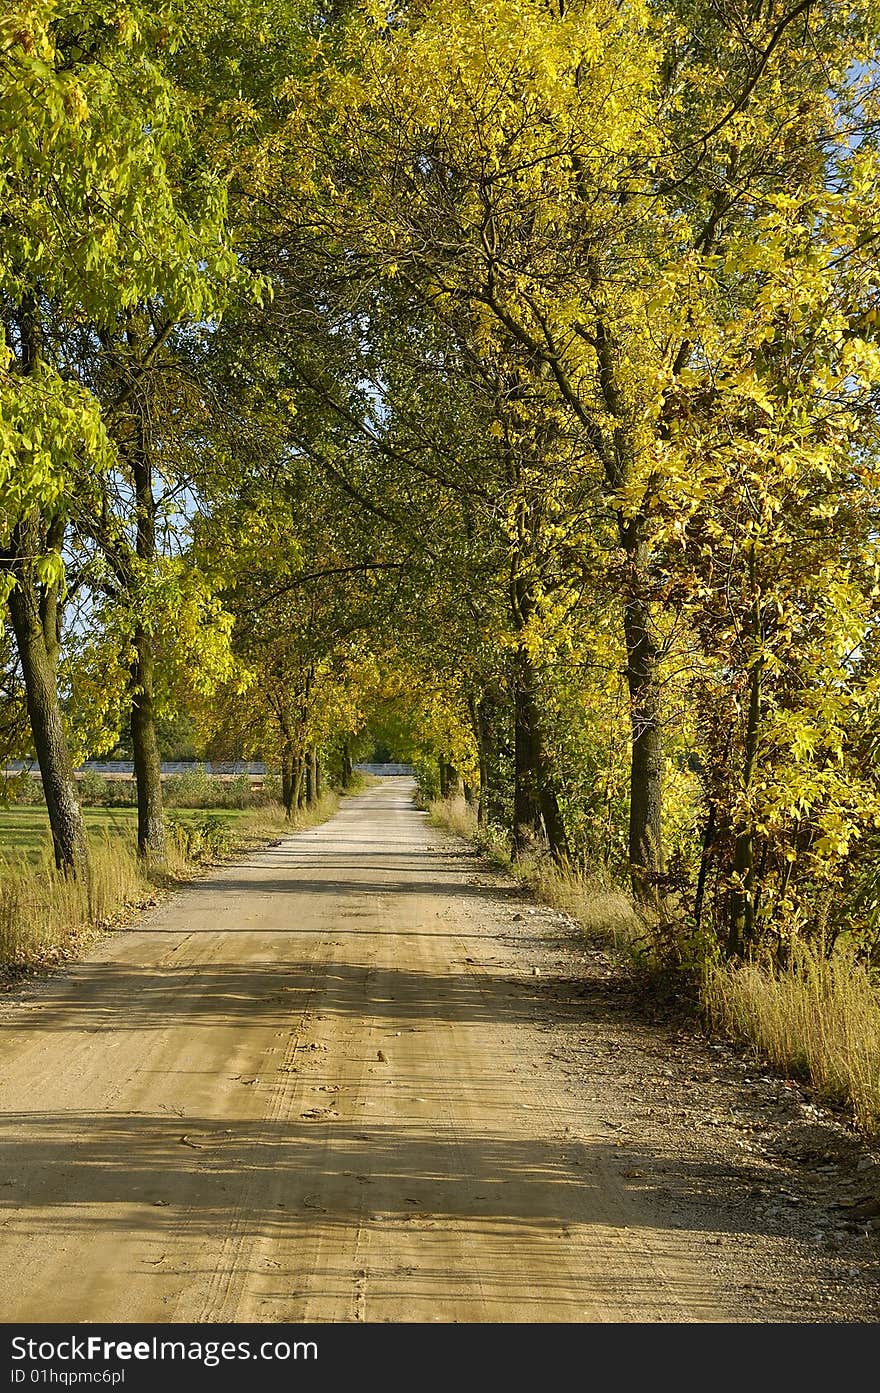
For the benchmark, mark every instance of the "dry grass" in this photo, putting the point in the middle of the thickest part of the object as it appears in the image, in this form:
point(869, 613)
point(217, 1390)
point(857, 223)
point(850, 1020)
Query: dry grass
point(45, 917)
point(455, 816)
point(819, 1018)
point(42, 914)
point(604, 911)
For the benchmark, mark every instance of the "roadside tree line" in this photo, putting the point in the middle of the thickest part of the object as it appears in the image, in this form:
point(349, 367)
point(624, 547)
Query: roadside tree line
point(505, 371)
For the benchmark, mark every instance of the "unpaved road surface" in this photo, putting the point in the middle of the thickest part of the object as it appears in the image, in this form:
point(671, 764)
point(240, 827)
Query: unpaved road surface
point(359, 1077)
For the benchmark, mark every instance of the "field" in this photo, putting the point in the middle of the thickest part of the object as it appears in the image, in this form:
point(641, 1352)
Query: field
point(24, 831)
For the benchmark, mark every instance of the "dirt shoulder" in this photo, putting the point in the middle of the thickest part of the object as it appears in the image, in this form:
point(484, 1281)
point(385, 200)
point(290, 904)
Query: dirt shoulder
point(359, 1076)
point(774, 1192)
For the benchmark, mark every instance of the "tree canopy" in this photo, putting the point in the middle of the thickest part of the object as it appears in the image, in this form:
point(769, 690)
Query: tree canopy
point(496, 378)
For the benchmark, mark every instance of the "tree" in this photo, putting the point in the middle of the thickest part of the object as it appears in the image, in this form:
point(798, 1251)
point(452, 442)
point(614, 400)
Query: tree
point(558, 184)
point(94, 223)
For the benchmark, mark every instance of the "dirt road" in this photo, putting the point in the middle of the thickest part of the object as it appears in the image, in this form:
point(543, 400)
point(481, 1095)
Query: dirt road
point(352, 1078)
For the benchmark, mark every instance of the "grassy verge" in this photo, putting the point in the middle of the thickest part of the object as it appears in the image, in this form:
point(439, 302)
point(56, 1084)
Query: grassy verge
point(604, 911)
point(818, 1019)
point(45, 919)
point(24, 830)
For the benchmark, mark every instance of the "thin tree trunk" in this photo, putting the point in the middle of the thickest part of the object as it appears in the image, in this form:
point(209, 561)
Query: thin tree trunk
point(145, 744)
point(646, 769)
point(47, 728)
point(477, 728)
point(527, 826)
point(287, 779)
point(536, 812)
point(318, 777)
point(619, 454)
point(299, 782)
point(708, 839)
point(492, 797)
point(145, 749)
point(742, 907)
point(346, 765)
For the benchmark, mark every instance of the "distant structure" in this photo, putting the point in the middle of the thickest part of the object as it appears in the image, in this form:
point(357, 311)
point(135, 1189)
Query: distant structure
point(124, 768)
point(386, 771)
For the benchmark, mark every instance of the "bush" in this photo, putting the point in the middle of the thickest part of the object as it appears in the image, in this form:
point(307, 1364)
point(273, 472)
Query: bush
point(200, 839)
point(121, 793)
point(27, 790)
point(427, 784)
point(271, 792)
point(193, 789)
point(93, 790)
point(240, 793)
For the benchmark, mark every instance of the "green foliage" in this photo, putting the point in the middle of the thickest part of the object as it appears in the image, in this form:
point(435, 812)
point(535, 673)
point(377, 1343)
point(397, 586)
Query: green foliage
point(93, 789)
point(203, 840)
point(498, 386)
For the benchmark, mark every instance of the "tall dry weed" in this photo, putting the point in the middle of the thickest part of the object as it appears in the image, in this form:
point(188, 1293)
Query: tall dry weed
point(42, 913)
point(818, 1017)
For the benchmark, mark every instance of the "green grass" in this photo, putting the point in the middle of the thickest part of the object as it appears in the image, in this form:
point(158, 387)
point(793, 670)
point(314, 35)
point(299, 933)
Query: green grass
point(46, 917)
point(24, 831)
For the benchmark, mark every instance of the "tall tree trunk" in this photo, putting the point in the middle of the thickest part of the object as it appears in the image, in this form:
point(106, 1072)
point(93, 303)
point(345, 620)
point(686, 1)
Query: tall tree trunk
point(310, 778)
point(742, 906)
point(145, 748)
point(346, 765)
point(35, 617)
point(491, 800)
point(288, 786)
point(444, 777)
point(479, 740)
point(527, 826)
point(708, 840)
point(145, 744)
point(318, 777)
point(646, 769)
point(299, 782)
point(536, 812)
point(47, 727)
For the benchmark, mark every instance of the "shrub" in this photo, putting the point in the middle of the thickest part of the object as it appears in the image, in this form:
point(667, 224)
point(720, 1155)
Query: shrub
point(239, 792)
point(200, 839)
point(93, 790)
point(271, 792)
point(193, 789)
point(28, 790)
